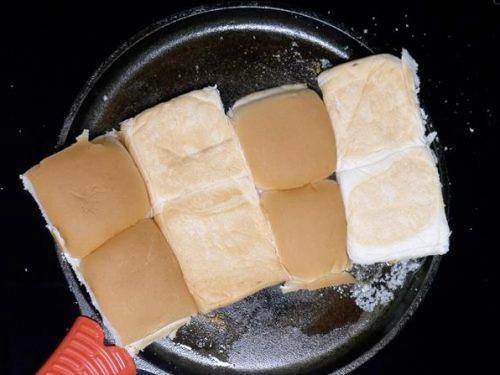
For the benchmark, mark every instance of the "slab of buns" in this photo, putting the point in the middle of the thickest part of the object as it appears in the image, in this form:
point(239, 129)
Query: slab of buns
point(187, 209)
point(204, 198)
point(386, 171)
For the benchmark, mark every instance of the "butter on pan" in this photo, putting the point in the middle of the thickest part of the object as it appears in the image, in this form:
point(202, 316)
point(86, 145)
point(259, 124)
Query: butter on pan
point(182, 145)
point(394, 208)
point(310, 230)
point(135, 281)
point(286, 135)
point(88, 193)
point(373, 107)
point(205, 201)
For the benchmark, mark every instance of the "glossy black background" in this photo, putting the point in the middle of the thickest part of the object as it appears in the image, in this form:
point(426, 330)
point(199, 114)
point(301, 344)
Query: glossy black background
point(49, 49)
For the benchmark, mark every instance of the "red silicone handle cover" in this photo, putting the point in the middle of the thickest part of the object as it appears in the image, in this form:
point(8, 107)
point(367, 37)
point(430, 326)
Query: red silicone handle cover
point(82, 352)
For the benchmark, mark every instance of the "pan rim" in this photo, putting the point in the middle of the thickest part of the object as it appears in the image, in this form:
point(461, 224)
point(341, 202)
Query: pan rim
point(297, 11)
point(169, 20)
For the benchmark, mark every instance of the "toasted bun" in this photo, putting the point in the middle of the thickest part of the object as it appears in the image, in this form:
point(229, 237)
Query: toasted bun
point(310, 230)
point(88, 193)
point(259, 95)
point(137, 285)
point(286, 135)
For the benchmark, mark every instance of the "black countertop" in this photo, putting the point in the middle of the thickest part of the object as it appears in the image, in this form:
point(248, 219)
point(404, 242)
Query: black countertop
point(49, 49)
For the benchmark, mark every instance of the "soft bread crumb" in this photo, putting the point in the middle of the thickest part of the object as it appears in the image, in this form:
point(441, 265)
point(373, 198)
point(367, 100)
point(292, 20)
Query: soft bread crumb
point(394, 208)
point(373, 107)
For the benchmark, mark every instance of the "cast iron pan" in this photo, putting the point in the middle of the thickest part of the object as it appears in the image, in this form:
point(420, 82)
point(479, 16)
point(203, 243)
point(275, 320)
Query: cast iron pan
point(242, 49)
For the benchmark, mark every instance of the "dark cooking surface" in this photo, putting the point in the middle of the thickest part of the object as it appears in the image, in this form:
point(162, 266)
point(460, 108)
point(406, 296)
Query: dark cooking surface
point(53, 51)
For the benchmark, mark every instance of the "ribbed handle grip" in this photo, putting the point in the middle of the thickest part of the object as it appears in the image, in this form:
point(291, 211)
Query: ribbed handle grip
point(82, 352)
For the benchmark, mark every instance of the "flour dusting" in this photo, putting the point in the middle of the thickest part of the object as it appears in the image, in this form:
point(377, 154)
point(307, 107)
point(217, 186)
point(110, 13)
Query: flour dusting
point(369, 294)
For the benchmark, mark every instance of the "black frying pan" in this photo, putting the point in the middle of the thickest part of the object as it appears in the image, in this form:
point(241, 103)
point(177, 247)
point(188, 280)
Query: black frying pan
point(244, 49)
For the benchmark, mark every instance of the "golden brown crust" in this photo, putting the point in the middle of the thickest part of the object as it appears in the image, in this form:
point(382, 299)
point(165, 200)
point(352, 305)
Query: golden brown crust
point(89, 192)
point(310, 229)
point(137, 282)
point(287, 138)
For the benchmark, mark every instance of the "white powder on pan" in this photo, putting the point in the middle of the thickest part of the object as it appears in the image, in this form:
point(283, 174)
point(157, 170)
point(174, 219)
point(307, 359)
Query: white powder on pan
point(325, 63)
point(429, 138)
point(380, 291)
point(281, 329)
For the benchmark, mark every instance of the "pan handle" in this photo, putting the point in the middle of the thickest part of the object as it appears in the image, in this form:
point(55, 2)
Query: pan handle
point(82, 351)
